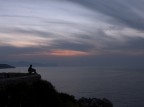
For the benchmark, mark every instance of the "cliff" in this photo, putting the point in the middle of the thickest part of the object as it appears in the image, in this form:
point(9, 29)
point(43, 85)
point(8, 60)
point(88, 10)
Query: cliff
point(42, 93)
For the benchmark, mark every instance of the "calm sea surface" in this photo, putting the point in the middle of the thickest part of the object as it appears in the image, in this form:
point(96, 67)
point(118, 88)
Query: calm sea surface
point(124, 87)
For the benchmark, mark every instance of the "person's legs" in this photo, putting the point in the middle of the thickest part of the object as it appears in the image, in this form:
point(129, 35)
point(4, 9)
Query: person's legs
point(34, 71)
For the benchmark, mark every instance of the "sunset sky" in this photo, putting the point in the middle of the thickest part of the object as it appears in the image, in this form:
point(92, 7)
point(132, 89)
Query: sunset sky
point(72, 32)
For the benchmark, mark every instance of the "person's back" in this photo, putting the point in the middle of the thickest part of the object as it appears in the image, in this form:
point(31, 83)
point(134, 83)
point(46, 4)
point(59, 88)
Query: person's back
point(30, 68)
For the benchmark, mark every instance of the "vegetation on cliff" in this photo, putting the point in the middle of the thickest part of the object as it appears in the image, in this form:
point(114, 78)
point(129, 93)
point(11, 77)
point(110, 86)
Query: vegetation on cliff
point(43, 94)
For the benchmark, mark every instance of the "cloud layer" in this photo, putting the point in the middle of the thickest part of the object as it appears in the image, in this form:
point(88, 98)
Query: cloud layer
point(41, 29)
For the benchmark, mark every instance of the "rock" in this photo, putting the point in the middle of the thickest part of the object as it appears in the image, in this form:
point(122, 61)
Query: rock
point(95, 102)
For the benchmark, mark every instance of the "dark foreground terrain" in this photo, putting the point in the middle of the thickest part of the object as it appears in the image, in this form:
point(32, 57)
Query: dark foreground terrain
point(43, 94)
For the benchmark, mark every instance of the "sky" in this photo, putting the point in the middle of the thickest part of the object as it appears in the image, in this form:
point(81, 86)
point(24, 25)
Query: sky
point(73, 32)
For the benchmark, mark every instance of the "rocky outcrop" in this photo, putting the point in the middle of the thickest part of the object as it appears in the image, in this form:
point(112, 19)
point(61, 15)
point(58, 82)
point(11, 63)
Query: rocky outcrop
point(95, 102)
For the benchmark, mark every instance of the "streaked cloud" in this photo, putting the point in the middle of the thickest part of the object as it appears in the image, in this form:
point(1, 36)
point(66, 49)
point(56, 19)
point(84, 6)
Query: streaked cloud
point(43, 28)
point(22, 40)
point(123, 12)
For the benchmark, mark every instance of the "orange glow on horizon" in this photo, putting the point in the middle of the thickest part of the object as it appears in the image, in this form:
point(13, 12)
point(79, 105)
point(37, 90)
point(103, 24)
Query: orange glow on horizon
point(68, 53)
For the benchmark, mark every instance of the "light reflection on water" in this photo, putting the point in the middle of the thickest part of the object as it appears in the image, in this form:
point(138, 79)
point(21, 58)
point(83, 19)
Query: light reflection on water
point(124, 87)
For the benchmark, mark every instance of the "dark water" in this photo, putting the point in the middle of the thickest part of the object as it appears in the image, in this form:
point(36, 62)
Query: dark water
point(124, 87)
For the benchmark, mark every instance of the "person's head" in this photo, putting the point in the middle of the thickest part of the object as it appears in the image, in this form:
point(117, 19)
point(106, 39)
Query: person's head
point(31, 65)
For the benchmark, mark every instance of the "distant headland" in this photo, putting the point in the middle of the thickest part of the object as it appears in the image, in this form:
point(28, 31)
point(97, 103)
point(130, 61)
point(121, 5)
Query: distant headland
point(5, 66)
point(27, 63)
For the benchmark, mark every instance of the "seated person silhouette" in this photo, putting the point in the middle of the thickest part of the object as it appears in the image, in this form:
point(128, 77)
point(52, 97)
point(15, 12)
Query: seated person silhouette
point(31, 70)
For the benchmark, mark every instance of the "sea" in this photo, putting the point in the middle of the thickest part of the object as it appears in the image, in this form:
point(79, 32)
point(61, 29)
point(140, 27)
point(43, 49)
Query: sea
point(124, 87)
